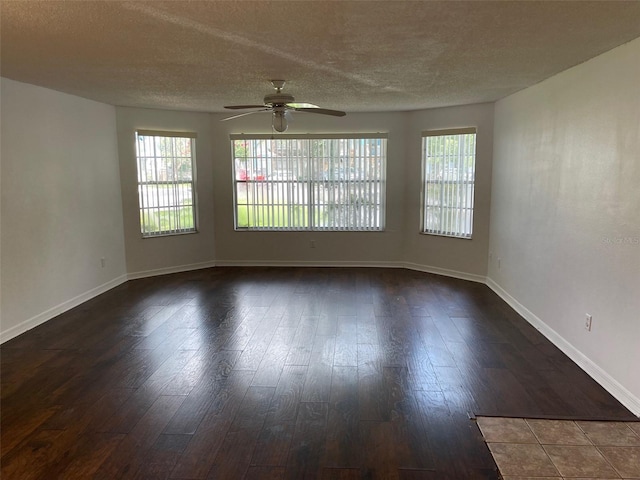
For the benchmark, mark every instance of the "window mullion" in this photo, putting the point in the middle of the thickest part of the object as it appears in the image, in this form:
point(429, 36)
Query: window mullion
point(142, 177)
point(293, 192)
point(174, 186)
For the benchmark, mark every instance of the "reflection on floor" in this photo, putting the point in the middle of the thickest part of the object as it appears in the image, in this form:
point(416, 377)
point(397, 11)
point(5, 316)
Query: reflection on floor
point(558, 449)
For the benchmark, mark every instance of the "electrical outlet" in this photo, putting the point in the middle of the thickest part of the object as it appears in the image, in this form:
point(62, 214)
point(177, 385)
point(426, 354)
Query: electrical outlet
point(587, 322)
point(312, 244)
point(103, 262)
point(499, 263)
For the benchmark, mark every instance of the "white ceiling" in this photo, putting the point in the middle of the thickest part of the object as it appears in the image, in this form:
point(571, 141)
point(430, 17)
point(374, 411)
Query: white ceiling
point(356, 56)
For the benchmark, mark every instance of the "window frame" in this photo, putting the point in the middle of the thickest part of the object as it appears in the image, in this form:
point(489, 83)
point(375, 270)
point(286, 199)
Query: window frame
point(142, 209)
point(312, 182)
point(459, 181)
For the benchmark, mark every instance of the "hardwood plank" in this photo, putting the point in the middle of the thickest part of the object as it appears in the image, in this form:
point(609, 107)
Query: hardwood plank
point(423, 374)
point(254, 351)
point(286, 399)
point(514, 398)
point(455, 447)
point(346, 353)
point(264, 473)
point(301, 346)
point(273, 361)
point(378, 460)
point(85, 460)
point(455, 390)
point(199, 456)
point(317, 385)
point(366, 331)
point(240, 337)
point(370, 383)
point(273, 444)
point(394, 342)
point(340, 474)
point(532, 380)
point(13, 435)
point(147, 394)
point(237, 448)
point(409, 435)
point(327, 324)
point(307, 446)
point(342, 420)
point(29, 458)
point(37, 388)
point(437, 350)
point(209, 397)
point(129, 455)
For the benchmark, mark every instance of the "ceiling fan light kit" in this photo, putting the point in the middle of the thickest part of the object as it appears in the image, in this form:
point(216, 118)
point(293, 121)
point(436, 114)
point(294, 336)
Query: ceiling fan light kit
point(279, 122)
point(280, 104)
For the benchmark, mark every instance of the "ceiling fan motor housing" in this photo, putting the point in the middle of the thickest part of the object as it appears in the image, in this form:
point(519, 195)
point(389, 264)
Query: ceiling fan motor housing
point(278, 99)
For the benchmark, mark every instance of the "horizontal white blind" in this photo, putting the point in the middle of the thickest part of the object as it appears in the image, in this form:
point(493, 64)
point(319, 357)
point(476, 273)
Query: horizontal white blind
point(449, 182)
point(309, 183)
point(166, 182)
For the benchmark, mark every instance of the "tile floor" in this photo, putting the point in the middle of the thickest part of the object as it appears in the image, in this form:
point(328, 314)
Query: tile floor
point(527, 449)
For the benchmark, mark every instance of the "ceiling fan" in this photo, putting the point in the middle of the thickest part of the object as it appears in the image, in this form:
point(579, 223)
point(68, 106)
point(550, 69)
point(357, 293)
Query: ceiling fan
point(280, 104)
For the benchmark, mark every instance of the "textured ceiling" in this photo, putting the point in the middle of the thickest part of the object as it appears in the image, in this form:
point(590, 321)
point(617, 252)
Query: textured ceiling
point(349, 55)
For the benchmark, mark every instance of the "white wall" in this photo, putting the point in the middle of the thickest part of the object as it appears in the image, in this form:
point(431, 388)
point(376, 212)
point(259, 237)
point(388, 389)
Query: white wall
point(466, 257)
point(61, 209)
point(149, 256)
point(217, 241)
point(400, 244)
point(565, 219)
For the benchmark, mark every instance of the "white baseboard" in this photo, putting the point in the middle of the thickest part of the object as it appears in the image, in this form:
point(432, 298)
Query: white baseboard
point(169, 270)
point(58, 309)
point(305, 263)
point(607, 382)
point(356, 264)
point(472, 277)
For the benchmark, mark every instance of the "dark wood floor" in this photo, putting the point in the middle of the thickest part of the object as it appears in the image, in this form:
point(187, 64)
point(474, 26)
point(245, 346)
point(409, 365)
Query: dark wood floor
point(268, 373)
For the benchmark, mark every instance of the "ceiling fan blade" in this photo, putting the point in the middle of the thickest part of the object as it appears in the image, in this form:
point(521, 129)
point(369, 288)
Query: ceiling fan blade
point(243, 114)
point(323, 111)
point(240, 107)
point(301, 105)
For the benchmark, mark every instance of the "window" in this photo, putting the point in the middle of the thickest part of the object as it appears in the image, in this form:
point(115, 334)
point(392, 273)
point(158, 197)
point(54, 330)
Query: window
point(166, 182)
point(309, 183)
point(449, 159)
